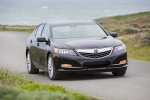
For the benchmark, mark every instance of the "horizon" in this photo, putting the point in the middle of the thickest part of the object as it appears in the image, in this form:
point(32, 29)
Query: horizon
point(32, 12)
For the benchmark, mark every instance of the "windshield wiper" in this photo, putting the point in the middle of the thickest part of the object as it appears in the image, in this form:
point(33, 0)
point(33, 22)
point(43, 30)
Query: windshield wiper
point(104, 37)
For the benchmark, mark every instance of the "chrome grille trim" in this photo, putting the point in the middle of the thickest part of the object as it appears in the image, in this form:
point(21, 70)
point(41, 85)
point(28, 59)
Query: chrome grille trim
point(102, 52)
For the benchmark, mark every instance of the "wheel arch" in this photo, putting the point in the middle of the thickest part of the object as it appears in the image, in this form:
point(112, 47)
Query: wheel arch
point(27, 50)
point(48, 53)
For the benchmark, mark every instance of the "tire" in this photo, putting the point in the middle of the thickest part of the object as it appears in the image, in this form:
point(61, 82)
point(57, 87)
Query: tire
point(52, 72)
point(31, 69)
point(119, 73)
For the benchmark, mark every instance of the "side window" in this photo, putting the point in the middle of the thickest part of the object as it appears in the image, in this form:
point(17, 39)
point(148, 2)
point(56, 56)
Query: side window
point(34, 32)
point(39, 30)
point(45, 31)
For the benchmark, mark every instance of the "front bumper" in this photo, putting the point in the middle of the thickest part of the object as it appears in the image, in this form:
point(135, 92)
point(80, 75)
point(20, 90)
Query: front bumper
point(92, 70)
point(83, 64)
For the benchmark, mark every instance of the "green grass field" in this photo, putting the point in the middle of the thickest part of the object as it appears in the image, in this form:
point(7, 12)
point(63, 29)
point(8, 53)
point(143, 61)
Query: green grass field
point(21, 28)
point(16, 87)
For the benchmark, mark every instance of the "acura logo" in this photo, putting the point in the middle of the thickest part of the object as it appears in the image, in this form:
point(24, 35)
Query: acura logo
point(95, 51)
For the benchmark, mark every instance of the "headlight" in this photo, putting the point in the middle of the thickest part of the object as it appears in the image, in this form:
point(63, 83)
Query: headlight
point(64, 51)
point(120, 48)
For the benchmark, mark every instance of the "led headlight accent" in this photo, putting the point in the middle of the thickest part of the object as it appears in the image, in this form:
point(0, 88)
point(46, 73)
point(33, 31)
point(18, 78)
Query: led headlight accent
point(64, 51)
point(119, 48)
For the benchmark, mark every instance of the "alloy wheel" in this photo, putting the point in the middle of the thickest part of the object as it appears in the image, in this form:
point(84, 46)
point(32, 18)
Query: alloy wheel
point(28, 62)
point(50, 67)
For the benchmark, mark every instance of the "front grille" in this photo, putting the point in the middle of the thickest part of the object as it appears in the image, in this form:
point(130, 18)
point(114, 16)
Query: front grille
point(100, 64)
point(96, 55)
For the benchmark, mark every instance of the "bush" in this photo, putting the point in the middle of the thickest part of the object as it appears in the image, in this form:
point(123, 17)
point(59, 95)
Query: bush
point(9, 79)
point(145, 40)
point(132, 25)
point(146, 26)
point(7, 93)
point(115, 30)
point(128, 30)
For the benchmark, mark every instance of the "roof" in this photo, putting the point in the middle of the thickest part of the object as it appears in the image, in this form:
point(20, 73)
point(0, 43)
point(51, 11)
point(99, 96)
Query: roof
point(62, 22)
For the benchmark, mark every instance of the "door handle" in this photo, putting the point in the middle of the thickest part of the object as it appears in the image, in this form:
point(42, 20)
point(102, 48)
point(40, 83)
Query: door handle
point(38, 44)
point(30, 41)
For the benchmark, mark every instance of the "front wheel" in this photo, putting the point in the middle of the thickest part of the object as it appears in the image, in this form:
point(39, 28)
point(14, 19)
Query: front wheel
point(31, 69)
point(119, 73)
point(52, 72)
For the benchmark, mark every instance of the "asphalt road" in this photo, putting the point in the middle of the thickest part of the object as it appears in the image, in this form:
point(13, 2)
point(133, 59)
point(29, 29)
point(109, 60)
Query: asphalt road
point(135, 85)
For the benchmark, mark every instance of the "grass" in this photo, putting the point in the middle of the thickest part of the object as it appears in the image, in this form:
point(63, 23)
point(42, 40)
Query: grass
point(130, 16)
point(16, 87)
point(131, 28)
point(116, 22)
point(134, 47)
point(21, 28)
point(8, 93)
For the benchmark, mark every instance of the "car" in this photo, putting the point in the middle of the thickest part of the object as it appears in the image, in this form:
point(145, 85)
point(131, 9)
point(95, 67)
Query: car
point(74, 46)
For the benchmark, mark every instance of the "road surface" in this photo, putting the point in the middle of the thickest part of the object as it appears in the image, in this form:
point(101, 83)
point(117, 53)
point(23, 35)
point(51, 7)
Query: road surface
point(135, 85)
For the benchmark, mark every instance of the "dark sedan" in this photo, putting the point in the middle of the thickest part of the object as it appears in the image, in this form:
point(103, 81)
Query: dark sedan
point(74, 46)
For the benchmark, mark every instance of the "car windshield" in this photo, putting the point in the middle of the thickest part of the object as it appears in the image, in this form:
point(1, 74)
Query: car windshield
point(77, 31)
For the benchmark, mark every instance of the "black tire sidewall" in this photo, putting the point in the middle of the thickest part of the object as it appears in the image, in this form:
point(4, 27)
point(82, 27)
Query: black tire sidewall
point(33, 69)
point(55, 74)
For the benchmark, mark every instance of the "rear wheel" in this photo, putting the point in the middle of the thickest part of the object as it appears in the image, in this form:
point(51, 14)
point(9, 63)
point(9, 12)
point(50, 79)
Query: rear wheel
point(31, 69)
point(119, 73)
point(52, 72)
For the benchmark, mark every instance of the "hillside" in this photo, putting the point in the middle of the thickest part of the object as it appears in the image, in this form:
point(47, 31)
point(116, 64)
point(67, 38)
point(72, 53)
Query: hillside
point(137, 20)
point(133, 30)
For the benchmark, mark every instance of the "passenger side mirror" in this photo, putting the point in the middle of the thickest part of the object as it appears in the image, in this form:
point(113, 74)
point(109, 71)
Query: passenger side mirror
point(113, 34)
point(41, 39)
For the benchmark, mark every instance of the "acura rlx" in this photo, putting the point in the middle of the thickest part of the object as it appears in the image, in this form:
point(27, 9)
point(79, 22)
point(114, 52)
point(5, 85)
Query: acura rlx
point(74, 46)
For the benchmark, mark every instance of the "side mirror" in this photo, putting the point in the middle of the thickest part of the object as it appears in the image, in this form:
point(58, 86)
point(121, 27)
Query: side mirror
point(41, 39)
point(113, 34)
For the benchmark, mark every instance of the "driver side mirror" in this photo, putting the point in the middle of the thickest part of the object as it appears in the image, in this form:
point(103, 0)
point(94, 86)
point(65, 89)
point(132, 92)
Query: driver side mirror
point(41, 39)
point(113, 34)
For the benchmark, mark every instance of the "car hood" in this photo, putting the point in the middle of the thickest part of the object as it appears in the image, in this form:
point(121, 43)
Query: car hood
point(86, 43)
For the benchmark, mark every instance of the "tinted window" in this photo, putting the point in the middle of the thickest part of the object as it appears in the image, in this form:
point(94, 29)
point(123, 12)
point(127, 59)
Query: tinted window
point(78, 31)
point(39, 30)
point(45, 31)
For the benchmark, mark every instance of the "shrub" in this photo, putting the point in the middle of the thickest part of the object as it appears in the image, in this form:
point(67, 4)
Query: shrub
point(132, 25)
point(7, 93)
point(128, 30)
point(115, 30)
point(146, 26)
point(7, 78)
point(145, 40)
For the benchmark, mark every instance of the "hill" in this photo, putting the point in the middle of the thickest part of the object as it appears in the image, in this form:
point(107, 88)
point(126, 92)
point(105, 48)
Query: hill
point(138, 20)
point(133, 30)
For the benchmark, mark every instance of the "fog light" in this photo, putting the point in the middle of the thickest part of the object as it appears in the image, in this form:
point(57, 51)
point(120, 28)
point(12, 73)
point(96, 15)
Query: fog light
point(122, 62)
point(66, 65)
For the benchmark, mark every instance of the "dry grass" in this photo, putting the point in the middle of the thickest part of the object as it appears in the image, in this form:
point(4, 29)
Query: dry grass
point(134, 48)
point(140, 19)
point(131, 28)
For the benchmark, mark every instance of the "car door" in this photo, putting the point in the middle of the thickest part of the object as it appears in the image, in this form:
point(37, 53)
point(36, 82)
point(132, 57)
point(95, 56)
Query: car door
point(35, 54)
point(43, 47)
point(33, 43)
